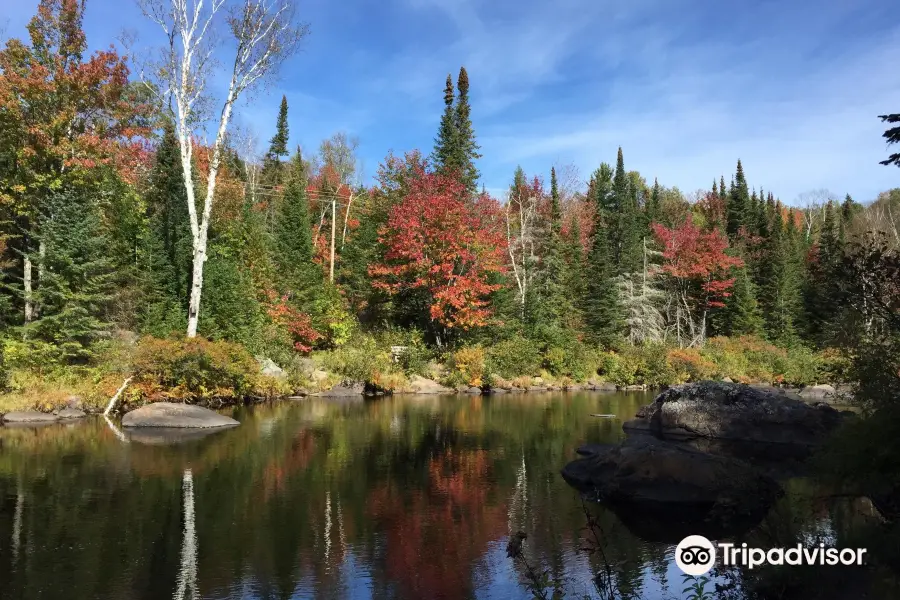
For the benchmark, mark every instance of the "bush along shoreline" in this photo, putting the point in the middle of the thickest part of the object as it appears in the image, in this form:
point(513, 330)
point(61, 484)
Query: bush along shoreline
point(215, 374)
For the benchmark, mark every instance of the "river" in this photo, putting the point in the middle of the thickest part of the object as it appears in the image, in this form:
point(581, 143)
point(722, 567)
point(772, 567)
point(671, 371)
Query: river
point(404, 497)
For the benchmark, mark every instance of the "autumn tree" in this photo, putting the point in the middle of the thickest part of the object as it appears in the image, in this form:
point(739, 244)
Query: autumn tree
point(66, 121)
point(522, 215)
point(700, 279)
point(441, 249)
point(264, 34)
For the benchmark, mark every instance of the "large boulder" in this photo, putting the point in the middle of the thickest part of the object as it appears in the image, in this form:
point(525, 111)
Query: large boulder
point(71, 413)
point(168, 414)
point(29, 416)
point(268, 368)
point(648, 479)
point(730, 411)
point(421, 385)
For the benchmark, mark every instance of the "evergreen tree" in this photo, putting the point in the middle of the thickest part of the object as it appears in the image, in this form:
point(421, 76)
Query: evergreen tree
point(167, 245)
point(574, 283)
point(293, 234)
point(848, 209)
point(743, 316)
point(738, 203)
point(445, 142)
point(782, 283)
point(465, 149)
point(653, 206)
point(77, 282)
point(554, 302)
point(625, 222)
point(602, 309)
point(278, 148)
point(821, 290)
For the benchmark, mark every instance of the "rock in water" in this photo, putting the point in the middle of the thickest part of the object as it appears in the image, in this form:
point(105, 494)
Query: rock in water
point(730, 411)
point(29, 416)
point(168, 414)
point(647, 479)
point(71, 413)
point(817, 392)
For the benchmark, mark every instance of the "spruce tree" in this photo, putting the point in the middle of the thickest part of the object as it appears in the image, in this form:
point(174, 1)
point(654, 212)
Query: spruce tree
point(738, 203)
point(780, 294)
point(77, 280)
point(602, 307)
point(574, 284)
point(465, 148)
point(167, 246)
point(743, 316)
point(624, 222)
point(445, 142)
point(554, 302)
point(653, 205)
point(293, 233)
point(278, 148)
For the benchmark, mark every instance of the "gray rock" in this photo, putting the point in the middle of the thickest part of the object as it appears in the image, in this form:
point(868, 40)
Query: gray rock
point(473, 391)
point(573, 387)
point(730, 411)
point(421, 385)
point(168, 414)
point(495, 391)
point(268, 368)
point(634, 388)
point(73, 402)
point(71, 413)
point(603, 386)
point(647, 470)
point(517, 390)
point(728, 380)
point(343, 391)
point(28, 416)
point(170, 436)
point(536, 388)
point(817, 392)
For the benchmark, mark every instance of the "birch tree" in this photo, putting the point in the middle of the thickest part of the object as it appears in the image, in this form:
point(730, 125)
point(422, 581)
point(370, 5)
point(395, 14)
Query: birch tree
point(263, 34)
point(522, 218)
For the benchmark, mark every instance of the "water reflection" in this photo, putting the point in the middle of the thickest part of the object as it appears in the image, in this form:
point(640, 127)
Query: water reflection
point(389, 498)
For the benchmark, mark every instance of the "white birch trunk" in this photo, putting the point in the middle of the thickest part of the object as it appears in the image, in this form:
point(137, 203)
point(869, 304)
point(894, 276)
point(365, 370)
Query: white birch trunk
point(27, 288)
point(187, 573)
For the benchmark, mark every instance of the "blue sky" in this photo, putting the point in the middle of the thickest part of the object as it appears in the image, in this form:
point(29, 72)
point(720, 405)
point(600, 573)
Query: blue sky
point(792, 87)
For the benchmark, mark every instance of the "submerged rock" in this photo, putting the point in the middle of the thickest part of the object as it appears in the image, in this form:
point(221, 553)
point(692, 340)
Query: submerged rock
point(170, 436)
point(168, 414)
point(29, 416)
point(711, 409)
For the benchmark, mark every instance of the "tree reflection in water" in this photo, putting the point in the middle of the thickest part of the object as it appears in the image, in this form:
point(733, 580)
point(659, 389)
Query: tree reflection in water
point(393, 498)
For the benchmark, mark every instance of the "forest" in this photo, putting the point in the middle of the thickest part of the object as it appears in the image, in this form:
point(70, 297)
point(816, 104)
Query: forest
point(143, 235)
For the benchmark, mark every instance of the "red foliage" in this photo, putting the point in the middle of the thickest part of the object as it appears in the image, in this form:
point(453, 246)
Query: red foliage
point(696, 256)
point(297, 323)
point(439, 241)
point(65, 114)
point(582, 212)
point(712, 207)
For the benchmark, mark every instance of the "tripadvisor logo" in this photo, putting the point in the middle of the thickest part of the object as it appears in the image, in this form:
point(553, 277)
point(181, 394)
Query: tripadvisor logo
point(695, 555)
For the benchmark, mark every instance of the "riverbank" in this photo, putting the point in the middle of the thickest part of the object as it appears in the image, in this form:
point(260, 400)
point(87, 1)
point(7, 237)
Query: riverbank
point(216, 374)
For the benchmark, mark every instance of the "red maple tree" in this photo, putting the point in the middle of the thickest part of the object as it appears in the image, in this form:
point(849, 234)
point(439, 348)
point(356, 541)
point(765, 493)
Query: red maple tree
point(298, 323)
point(440, 241)
point(697, 258)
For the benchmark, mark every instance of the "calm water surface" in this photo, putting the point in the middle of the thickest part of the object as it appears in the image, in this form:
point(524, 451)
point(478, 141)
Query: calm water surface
point(409, 497)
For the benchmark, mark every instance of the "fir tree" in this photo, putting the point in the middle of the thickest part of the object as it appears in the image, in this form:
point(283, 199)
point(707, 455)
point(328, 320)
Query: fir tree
point(278, 149)
point(780, 294)
point(554, 302)
point(743, 316)
point(602, 309)
point(293, 233)
point(574, 284)
point(465, 149)
point(653, 206)
point(445, 142)
point(738, 204)
point(78, 278)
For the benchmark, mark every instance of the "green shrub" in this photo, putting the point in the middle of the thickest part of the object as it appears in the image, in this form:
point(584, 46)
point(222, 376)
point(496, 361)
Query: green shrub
point(361, 359)
point(467, 367)
point(513, 357)
point(192, 369)
point(417, 356)
point(4, 370)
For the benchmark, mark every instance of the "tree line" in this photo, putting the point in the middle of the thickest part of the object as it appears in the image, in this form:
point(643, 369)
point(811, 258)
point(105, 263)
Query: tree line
point(115, 216)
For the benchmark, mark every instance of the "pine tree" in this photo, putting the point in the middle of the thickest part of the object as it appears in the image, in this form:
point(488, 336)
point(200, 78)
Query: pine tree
point(78, 277)
point(822, 292)
point(445, 142)
point(602, 309)
point(574, 283)
point(848, 208)
point(624, 222)
point(465, 148)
